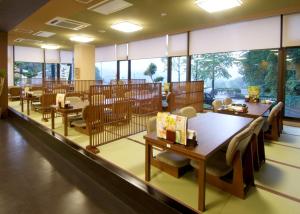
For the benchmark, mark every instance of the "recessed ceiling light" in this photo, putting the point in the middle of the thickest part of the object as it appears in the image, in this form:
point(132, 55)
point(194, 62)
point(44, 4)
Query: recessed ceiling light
point(163, 14)
point(126, 27)
point(101, 31)
point(45, 34)
point(83, 39)
point(50, 46)
point(218, 5)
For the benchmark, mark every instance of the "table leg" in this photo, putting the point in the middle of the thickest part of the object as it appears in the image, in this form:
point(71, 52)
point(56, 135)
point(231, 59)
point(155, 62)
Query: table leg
point(148, 161)
point(28, 111)
point(22, 104)
point(52, 118)
point(201, 183)
point(65, 124)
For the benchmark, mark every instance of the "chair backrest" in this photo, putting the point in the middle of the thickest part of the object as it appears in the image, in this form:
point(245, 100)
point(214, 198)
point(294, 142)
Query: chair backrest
point(227, 101)
point(151, 125)
point(273, 114)
point(238, 143)
point(257, 125)
point(15, 90)
point(73, 100)
point(188, 112)
point(216, 104)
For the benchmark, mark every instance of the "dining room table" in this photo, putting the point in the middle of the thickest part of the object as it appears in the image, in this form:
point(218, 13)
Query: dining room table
point(213, 131)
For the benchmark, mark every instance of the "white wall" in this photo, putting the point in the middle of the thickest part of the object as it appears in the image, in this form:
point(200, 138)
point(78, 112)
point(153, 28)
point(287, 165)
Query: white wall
point(84, 60)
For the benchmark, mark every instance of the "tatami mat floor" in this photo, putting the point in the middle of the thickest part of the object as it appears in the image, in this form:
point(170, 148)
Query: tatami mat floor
point(277, 189)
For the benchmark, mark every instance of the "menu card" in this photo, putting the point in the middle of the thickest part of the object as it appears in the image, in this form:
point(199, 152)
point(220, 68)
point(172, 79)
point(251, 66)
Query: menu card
point(60, 100)
point(172, 123)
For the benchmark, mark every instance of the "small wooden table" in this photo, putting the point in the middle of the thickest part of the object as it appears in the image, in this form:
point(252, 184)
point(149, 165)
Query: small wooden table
point(213, 131)
point(255, 110)
point(76, 108)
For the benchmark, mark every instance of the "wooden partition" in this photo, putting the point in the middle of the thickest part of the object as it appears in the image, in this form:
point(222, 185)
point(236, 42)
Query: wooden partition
point(72, 86)
point(127, 81)
point(184, 94)
point(117, 111)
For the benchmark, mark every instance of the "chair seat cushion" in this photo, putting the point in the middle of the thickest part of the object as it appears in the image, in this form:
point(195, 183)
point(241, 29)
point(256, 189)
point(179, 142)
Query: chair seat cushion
point(216, 164)
point(172, 159)
point(79, 123)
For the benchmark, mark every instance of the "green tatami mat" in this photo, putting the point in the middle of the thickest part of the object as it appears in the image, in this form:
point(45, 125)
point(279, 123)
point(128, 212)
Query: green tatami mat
point(138, 137)
point(288, 140)
point(291, 130)
point(280, 178)
point(259, 201)
point(282, 154)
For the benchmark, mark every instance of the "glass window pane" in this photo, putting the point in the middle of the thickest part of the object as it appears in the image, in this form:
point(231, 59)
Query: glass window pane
point(230, 74)
point(179, 69)
point(66, 72)
point(106, 71)
point(292, 86)
point(27, 72)
point(153, 70)
point(123, 69)
point(51, 71)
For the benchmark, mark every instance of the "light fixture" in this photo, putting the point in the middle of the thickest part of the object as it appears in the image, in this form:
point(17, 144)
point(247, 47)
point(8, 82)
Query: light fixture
point(83, 39)
point(50, 46)
point(126, 27)
point(218, 5)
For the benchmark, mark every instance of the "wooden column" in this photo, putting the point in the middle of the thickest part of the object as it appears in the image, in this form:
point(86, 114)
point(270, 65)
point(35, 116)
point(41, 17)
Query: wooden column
point(3, 65)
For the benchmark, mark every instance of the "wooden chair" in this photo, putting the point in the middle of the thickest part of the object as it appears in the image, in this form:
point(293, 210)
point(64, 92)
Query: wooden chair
point(14, 93)
point(227, 101)
point(92, 120)
point(45, 108)
point(216, 105)
point(280, 117)
point(271, 125)
point(169, 162)
point(258, 148)
point(232, 171)
point(188, 112)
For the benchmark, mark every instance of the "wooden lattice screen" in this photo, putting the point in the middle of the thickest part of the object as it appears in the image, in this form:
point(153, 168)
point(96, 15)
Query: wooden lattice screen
point(117, 111)
point(184, 94)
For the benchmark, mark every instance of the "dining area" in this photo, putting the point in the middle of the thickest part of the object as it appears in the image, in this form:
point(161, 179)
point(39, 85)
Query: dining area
point(229, 145)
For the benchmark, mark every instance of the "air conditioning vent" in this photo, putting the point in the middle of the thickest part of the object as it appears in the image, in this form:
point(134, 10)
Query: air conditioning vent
point(67, 23)
point(28, 40)
point(107, 7)
point(84, 1)
point(44, 34)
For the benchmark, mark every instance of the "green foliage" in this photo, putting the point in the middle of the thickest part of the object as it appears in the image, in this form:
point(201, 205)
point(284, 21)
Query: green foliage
point(28, 69)
point(151, 70)
point(177, 62)
point(158, 79)
point(260, 67)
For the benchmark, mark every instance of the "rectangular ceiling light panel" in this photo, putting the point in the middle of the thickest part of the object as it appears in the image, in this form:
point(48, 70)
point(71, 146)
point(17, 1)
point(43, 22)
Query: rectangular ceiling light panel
point(67, 23)
point(44, 34)
point(107, 7)
point(22, 30)
point(218, 5)
point(84, 1)
point(28, 40)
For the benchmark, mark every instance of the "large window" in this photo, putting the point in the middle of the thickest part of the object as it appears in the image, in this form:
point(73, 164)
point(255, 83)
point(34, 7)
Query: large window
point(123, 69)
point(230, 74)
point(27, 73)
point(153, 70)
point(106, 71)
point(179, 69)
point(292, 86)
point(66, 72)
point(51, 71)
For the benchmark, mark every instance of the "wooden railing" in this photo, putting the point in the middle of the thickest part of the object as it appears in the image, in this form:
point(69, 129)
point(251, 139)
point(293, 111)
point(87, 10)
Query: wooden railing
point(117, 111)
point(184, 94)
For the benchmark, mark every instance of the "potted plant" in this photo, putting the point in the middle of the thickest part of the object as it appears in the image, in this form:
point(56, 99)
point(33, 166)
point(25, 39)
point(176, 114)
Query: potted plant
point(2, 79)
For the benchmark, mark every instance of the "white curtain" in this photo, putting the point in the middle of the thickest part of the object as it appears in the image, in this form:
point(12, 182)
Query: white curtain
point(28, 54)
point(291, 30)
point(177, 44)
point(104, 54)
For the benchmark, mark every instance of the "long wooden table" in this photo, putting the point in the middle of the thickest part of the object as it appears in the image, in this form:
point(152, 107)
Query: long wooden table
point(255, 110)
point(213, 131)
